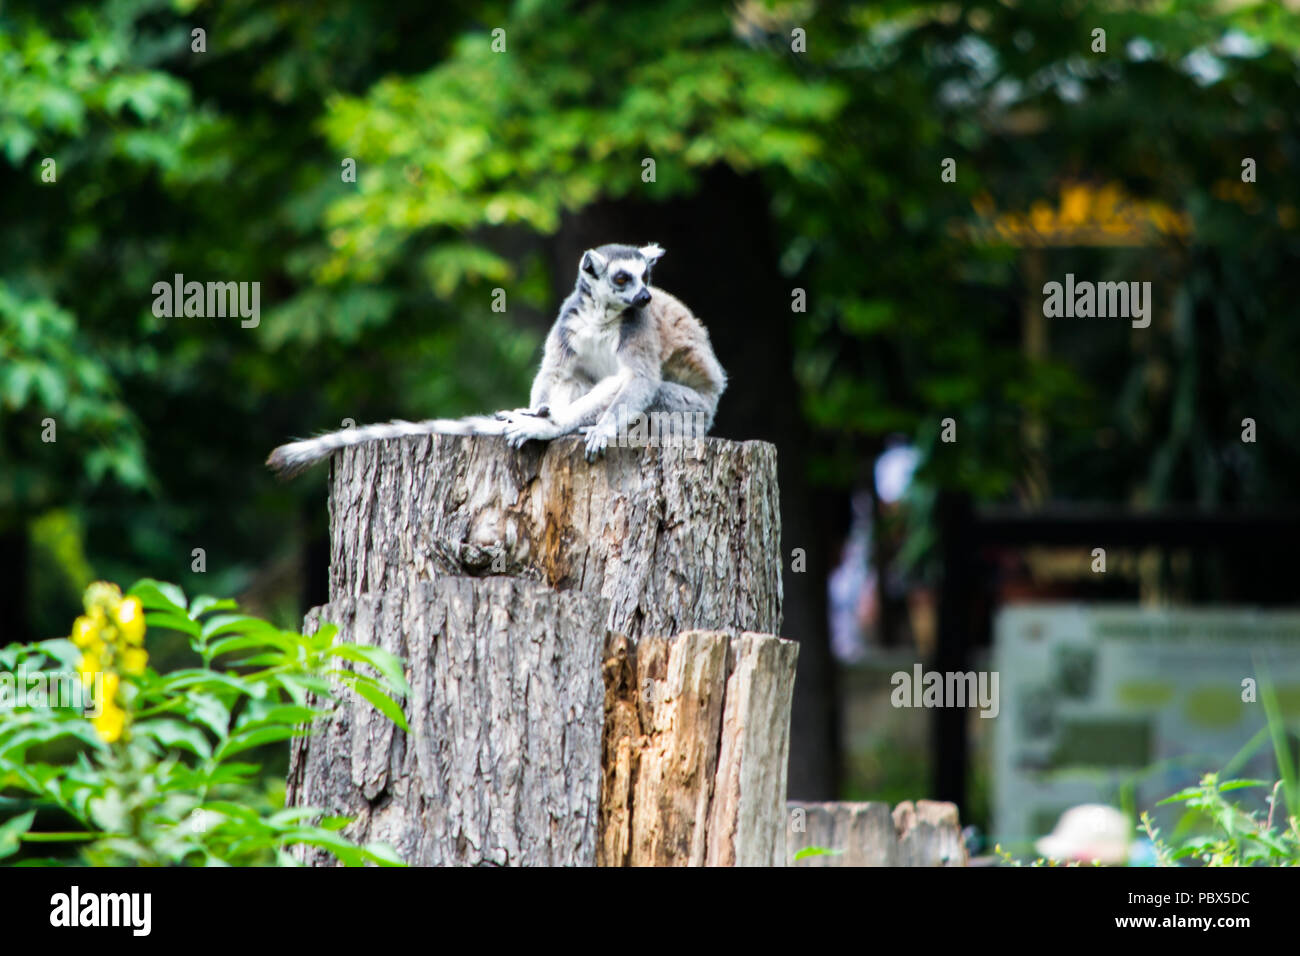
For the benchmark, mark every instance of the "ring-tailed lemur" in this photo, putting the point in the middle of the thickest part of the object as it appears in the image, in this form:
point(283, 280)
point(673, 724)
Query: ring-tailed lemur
point(619, 348)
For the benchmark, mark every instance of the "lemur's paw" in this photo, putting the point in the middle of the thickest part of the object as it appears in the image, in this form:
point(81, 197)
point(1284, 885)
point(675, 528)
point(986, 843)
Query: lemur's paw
point(522, 427)
point(598, 439)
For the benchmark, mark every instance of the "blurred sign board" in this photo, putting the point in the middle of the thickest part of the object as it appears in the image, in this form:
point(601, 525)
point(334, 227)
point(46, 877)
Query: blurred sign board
point(1099, 698)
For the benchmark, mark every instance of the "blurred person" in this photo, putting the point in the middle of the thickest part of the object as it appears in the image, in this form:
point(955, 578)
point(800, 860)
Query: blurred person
point(851, 589)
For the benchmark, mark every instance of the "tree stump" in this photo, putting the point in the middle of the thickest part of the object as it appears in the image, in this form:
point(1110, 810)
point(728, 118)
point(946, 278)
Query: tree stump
point(584, 642)
point(926, 833)
point(674, 538)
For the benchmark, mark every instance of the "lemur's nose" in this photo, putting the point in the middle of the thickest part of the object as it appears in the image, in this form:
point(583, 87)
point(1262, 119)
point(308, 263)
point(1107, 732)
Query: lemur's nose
point(642, 298)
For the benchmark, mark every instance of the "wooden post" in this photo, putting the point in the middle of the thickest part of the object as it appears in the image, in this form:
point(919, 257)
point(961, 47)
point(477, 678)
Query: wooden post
point(926, 833)
point(590, 649)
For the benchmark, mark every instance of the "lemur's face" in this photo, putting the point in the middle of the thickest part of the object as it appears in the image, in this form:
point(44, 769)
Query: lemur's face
point(619, 276)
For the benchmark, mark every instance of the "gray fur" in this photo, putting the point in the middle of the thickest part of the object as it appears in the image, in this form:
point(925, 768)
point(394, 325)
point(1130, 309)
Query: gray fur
point(295, 457)
point(600, 366)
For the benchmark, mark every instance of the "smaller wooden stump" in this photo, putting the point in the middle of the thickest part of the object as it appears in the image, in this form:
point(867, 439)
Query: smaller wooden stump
point(696, 740)
point(927, 833)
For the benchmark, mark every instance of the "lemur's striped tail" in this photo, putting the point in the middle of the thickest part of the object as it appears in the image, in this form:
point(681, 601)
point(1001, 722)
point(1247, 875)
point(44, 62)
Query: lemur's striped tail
point(295, 457)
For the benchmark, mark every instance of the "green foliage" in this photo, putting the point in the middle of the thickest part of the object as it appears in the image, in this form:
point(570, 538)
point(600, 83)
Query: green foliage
point(487, 139)
point(1223, 833)
point(1006, 858)
point(1219, 832)
point(178, 785)
point(226, 165)
point(209, 165)
point(47, 371)
point(84, 94)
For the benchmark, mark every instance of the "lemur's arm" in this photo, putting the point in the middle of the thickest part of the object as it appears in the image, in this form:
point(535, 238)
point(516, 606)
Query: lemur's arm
point(614, 398)
point(564, 417)
point(542, 384)
point(587, 408)
point(641, 378)
point(546, 380)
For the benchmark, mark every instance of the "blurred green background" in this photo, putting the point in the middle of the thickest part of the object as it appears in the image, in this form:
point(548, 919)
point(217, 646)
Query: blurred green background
point(784, 160)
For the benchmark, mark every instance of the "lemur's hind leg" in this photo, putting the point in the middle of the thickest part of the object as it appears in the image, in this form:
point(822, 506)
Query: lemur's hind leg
point(683, 412)
point(676, 412)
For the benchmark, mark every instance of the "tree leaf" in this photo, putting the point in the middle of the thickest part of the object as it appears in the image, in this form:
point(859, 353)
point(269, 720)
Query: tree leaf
point(388, 665)
point(159, 595)
point(237, 743)
point(175, 733)
point(11, 832)
point(385, 704)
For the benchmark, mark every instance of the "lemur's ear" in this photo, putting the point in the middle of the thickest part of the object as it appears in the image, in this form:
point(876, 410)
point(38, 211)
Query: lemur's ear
point(593, 263)
point(651, 253)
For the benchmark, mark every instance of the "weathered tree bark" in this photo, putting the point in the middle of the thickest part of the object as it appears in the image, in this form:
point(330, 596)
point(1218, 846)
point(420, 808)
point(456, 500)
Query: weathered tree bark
point(926, 833)
point(502, 764)
point(673, 538)
point(516, 585)
point(697, 736)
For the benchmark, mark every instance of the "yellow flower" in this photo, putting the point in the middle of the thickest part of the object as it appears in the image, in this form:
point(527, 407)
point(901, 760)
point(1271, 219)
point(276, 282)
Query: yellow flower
point(103, 594)
point(84, 632)
point(111, 719)
point(111, 637)
point(133, 661)
point(130, 617)
point(89, 666)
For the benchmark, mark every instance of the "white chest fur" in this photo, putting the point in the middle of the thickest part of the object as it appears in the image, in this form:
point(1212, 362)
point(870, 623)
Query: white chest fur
point(594, 341)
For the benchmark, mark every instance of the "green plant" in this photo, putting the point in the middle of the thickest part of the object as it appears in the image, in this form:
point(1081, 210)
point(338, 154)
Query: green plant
point(148, 774)
point(1007, 859)
point(1223, 833)
point(1227, 834)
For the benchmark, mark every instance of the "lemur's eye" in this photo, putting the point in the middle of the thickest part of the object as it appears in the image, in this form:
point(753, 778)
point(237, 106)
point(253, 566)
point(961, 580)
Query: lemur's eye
point(621, 279)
